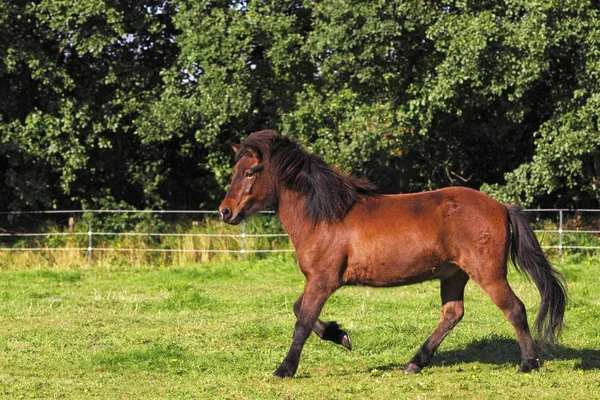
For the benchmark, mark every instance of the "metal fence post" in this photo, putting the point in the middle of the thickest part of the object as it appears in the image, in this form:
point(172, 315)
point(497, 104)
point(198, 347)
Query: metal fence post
point(90, 243)
point(243, 251)
point(560, 235)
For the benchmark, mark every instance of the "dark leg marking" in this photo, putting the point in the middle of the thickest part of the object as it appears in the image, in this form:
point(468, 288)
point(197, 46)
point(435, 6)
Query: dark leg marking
point(452, 292)
point(514, 311)
point(315, 294)
point(327, 330)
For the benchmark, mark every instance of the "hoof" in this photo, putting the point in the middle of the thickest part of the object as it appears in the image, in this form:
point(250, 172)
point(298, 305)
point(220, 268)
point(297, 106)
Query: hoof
point(336, 335)
point(412, 368)
point(528, 366)
point(283, 372)
point(345, 340)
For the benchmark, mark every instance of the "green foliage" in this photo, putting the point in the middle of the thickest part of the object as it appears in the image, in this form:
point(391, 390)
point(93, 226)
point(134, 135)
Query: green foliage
point(565, 168)
point(74, 79)
point(112, 103)
point(566, 165)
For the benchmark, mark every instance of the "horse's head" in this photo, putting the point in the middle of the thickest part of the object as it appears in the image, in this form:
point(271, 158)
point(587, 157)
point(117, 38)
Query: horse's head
point(250, 189)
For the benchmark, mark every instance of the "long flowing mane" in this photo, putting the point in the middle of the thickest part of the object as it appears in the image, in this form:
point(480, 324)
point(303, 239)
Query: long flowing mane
point(329, 193)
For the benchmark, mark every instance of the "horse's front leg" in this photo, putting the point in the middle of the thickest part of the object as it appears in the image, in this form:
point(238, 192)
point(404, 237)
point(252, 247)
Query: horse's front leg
point(327, 330)
point(316, 292)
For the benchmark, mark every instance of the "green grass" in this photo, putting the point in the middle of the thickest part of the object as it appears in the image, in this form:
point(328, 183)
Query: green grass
point(218, 330)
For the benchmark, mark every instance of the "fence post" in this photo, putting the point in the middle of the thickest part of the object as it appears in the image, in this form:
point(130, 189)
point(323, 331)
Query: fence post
point(560, 235)
point(243, 251)
point(90, 243)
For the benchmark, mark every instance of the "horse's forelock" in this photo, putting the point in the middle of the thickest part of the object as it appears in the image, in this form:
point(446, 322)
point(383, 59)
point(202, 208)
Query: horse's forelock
point(260, 142)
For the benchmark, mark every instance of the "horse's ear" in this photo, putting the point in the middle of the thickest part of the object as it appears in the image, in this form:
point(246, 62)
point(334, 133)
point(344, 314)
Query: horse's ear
point(248, 152)
point(236, 147)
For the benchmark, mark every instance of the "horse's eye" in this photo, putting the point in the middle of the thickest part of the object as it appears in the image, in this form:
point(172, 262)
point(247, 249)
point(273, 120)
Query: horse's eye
point(249, 174)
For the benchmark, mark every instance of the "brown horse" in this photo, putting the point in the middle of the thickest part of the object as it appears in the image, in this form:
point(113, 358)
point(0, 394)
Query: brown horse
point(344, 234)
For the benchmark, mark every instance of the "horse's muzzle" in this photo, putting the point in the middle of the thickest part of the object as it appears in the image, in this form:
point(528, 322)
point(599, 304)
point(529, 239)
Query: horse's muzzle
point(228, 216)
point(225, 213)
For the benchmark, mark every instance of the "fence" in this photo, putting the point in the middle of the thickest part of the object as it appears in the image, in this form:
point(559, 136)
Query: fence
point(563, 233)
point(568, 233)
point(90, 233)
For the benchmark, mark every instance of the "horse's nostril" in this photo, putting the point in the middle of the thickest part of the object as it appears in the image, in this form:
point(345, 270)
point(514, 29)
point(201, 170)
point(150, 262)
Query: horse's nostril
point(225, 213)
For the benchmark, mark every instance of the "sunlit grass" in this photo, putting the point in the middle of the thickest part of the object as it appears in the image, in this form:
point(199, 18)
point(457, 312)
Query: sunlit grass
point(219, 329)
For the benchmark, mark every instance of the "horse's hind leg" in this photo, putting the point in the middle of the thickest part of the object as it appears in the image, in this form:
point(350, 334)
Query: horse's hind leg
point(327, 330)
point(514, 310)
point(452, 291)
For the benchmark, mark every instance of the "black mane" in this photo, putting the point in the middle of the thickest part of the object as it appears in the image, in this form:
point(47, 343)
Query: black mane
point(329, 193)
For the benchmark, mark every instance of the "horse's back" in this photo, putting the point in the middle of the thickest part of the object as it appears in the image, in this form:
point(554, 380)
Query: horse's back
point(434, 210)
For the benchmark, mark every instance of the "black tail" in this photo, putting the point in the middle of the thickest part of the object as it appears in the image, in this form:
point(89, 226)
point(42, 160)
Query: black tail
point(528, 257)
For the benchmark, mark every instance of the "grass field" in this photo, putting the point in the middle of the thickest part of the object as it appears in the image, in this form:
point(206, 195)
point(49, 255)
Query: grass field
point(218, 330)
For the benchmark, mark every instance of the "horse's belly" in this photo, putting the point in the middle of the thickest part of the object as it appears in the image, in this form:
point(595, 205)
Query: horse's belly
point(396, 270)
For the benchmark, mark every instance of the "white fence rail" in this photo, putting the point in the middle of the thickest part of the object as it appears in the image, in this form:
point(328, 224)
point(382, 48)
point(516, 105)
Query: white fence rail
point(542, 214)
point(560, 213)
point(90, 249)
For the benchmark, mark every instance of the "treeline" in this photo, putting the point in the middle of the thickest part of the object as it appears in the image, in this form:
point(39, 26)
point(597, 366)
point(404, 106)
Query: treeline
point(132, 104)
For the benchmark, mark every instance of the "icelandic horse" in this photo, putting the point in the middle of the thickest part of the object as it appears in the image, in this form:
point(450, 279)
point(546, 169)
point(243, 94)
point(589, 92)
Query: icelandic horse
point(344, 234)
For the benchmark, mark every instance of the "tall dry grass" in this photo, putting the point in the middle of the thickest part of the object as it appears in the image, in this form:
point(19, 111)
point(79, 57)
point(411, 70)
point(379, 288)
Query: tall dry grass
point(180, 242)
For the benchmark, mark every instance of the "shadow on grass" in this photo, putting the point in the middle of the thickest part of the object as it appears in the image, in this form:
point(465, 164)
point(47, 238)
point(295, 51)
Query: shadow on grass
point(500, 350)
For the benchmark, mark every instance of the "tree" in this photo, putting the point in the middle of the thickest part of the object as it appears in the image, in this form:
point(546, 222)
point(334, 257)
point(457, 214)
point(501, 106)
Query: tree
point(565, 167)
point(456, 93)
point(74, 78)
point(133, 103)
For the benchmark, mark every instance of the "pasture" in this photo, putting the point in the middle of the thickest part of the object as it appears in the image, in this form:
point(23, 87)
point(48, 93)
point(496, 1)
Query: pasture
point(218, 330)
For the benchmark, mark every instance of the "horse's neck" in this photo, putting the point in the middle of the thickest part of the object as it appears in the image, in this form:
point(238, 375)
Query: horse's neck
point(290, 209)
